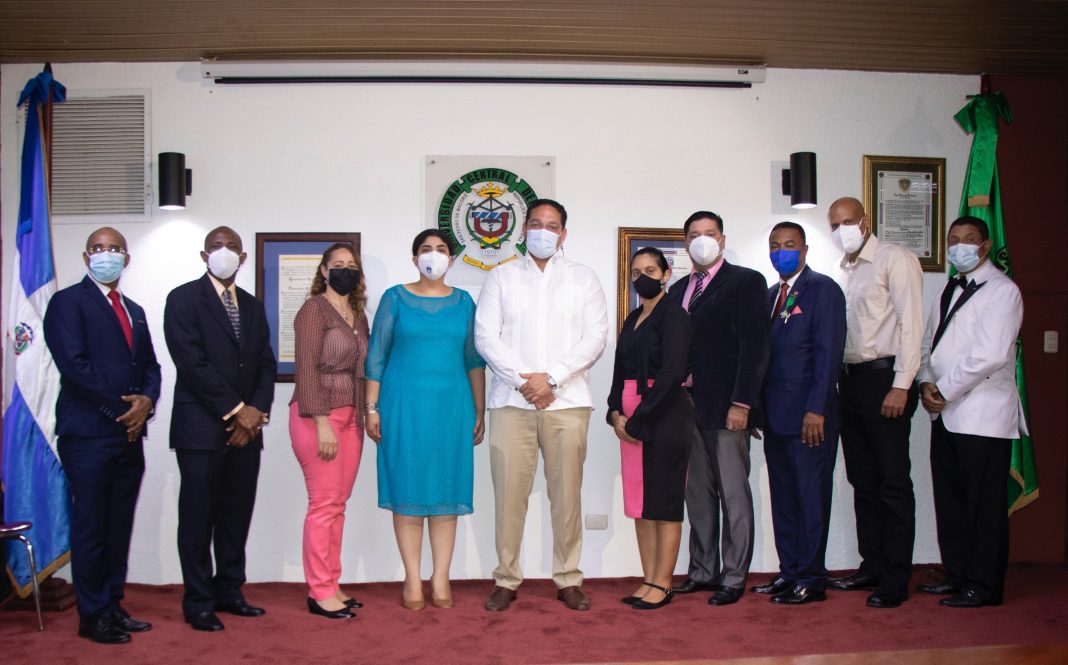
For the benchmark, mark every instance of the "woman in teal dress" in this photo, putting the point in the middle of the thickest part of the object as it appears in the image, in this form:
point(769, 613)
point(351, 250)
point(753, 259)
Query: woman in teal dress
point(425, 397)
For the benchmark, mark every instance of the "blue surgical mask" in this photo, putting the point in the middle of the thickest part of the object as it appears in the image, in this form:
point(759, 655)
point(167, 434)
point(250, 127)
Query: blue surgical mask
point(541, 242)
point(964, 257)
point(106, 267)
point(785, 261)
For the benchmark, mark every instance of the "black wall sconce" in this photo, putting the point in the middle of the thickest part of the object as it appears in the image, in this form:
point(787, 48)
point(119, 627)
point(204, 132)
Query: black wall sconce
point(799, 181)
point(175, 181)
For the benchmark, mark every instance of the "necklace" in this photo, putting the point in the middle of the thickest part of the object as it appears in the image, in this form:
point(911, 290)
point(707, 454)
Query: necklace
point(345, 311)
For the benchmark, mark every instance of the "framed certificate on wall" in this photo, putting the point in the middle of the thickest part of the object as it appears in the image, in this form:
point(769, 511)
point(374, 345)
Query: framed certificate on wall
point(671, 242)
point(906, 201)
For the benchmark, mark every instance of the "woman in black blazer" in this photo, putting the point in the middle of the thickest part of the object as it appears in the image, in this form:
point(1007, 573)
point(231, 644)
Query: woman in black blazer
point(653, 417)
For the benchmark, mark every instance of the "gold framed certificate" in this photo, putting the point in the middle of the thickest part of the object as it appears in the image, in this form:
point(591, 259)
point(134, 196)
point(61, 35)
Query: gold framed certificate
point(906, 201)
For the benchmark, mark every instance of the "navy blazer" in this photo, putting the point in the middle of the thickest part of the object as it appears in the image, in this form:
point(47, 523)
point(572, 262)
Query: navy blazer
point(96, 365)
point(730, 343)
point(806, 353)
point(215, 371)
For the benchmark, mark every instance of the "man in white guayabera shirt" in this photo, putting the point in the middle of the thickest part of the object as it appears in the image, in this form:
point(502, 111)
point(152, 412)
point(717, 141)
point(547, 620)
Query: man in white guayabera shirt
point(541, 323)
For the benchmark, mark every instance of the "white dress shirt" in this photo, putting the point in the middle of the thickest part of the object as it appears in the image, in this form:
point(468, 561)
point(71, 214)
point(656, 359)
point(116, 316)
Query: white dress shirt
point(974, 363)
point(884, 308)
point(554, 321)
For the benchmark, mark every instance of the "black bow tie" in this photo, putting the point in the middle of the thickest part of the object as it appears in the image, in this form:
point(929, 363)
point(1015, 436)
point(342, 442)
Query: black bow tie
point(959, 280)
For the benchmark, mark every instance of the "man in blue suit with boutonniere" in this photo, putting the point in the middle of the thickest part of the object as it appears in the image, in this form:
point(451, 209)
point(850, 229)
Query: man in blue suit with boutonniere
point(808, 328)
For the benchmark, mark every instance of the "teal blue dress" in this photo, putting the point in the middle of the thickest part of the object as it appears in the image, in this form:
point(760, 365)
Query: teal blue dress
point(420, 352)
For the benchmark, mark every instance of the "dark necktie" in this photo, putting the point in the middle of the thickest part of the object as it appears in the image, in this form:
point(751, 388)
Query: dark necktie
point(124, 320)
point(781, 301)
point(231, 311)
point(698, 287)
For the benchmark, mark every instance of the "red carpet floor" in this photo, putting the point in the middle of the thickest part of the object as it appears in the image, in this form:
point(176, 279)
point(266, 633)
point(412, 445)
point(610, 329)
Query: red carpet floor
point(539, 629)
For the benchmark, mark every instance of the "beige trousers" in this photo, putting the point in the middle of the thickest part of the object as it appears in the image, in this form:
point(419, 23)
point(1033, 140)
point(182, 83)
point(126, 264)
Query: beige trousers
point(515, 436)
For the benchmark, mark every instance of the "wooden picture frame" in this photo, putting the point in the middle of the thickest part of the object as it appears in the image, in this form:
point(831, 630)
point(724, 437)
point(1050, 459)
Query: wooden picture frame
point(285, 268)
point(906, 201)
point(672, 242)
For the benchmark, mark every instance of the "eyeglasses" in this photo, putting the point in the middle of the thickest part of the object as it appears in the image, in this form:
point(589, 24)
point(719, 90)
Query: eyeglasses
point(100, 249)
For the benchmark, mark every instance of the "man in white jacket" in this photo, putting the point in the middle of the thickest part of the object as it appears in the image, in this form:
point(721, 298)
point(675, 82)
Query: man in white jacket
point(968, 385)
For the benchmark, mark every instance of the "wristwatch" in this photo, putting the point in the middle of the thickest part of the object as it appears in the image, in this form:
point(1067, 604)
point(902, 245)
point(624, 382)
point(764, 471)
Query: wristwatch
point(551, 381)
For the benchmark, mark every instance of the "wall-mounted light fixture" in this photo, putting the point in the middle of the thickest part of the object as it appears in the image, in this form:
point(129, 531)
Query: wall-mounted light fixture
point(799, 181)
point(175, 181)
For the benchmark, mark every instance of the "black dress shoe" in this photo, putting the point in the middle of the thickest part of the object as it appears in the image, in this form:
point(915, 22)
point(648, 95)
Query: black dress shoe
point(353, 603)
point(774, 587)
point(316, 608)
point(102, 631)
point(725, 596)
point(690, 585)
point(240, 608)
point(124, 622)
point(884, 600)
point(206, 621)
point(967, 598)
point(941, 589)
point(854, 582)
point(799, 595)
point(642, 604)
point(630, 600)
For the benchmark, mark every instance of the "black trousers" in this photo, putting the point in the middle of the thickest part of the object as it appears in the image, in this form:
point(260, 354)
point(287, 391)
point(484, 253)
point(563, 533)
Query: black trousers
point(105, 478)
point(971, 497)
point(214, 512)
point(876, 451)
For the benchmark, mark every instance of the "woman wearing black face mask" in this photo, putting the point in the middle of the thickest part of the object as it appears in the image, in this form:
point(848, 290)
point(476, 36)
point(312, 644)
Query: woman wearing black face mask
point(653, 418)
point(325, 418)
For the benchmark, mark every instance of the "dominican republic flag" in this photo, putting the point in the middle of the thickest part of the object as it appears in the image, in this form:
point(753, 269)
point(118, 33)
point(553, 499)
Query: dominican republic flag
point(35, 487)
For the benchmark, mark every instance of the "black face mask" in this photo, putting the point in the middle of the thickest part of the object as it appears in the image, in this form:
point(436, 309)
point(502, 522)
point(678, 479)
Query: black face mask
point(344, 280)
point(647, 287)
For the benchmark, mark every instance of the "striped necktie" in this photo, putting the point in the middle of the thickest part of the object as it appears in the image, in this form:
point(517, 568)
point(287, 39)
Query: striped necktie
point(231, 311)
point(698, 288)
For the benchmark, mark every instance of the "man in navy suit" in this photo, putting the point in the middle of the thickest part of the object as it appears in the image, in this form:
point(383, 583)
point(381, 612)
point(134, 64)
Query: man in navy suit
point(109, 383)
point(808, 328)
point(728, 309)
point(218, 338)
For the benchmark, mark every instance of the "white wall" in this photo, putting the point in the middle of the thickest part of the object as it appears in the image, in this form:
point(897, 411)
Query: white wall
point(350, 157)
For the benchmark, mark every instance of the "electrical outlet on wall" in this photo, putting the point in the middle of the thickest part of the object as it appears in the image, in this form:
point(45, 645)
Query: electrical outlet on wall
point(596, 522)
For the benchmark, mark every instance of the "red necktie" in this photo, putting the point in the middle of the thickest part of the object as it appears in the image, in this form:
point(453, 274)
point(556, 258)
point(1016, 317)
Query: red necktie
point(124, 321)
point(781, 301)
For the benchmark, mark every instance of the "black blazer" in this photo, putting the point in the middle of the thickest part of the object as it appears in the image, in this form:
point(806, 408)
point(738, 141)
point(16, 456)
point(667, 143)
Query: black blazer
point(215, 372)
point(96, 365)
point(731, 343)
point(663, 355)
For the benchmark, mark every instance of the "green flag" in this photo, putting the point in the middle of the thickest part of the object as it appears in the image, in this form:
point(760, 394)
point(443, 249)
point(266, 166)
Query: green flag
point(981, 198)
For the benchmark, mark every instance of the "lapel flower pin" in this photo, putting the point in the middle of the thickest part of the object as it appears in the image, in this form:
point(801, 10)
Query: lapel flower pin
point(789, 309)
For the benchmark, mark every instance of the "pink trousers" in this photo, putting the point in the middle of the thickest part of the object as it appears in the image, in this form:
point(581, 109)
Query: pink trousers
point(329, 487)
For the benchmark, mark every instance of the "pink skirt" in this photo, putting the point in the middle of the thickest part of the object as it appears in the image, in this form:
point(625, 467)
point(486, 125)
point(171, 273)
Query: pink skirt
point(630, 455)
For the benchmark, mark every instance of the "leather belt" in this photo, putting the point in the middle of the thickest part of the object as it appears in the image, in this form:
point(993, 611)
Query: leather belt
point(850, 369)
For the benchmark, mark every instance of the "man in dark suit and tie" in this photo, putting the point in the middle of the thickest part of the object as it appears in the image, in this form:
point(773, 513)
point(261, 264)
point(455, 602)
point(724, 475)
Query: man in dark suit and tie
point(808, 328)
point(218, 338)
point(109, 383)
point(729, 311)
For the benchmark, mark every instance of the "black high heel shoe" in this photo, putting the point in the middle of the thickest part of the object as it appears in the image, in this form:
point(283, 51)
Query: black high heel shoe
point(642, 604)
point(353, 603)
point(316, 608)
point(630, 600)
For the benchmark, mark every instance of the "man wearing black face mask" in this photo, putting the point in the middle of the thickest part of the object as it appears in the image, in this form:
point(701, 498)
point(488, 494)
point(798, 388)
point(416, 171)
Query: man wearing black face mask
point(218, 338)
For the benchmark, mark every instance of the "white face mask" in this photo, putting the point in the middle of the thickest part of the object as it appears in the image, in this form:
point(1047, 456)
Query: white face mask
point(223, 263)
point(433, 264)
point(964, 257)
point(704, 250)
point(847, 238)
point(542, 243)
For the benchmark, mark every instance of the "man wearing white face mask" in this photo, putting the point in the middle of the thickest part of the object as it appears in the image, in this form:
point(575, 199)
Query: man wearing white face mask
point(109, 382)
point(731, 343)
point(968, 385)
point(541, 323)
point(218, 338)
point(877, 397)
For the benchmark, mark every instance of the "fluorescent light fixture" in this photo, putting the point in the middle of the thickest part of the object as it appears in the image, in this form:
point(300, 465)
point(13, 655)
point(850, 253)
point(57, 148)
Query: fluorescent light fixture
point(480, 71)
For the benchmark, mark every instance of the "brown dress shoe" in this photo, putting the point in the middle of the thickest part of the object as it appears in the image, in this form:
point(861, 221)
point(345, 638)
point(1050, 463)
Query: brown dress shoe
point(500, 599)
point(573, 598)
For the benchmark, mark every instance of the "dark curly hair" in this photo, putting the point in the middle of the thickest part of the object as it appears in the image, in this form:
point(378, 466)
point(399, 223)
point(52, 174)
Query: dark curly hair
point(358, 298)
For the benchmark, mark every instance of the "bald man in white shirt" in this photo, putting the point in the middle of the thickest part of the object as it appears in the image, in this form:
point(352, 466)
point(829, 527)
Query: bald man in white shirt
point(968, 385)
point(541, 323)
point(878, 396)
